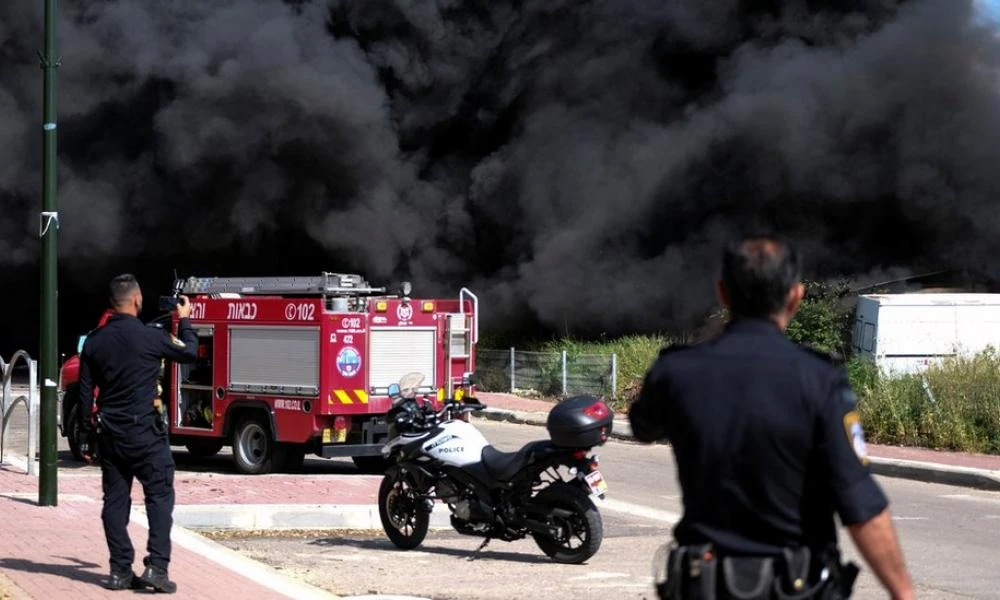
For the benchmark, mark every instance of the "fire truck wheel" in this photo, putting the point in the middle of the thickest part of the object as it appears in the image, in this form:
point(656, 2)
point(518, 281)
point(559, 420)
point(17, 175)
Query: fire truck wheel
point(74, 435)
point(204, 448)
point(254, 451)
point(371, 464)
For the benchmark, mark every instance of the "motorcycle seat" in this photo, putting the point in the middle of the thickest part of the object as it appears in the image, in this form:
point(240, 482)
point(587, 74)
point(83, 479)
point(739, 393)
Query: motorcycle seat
point(502, 466)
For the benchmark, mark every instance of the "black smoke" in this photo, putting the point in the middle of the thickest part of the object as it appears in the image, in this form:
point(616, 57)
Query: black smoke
point(578, 163)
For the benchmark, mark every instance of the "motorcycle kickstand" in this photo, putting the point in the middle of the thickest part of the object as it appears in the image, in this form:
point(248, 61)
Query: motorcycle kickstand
point(475, 553)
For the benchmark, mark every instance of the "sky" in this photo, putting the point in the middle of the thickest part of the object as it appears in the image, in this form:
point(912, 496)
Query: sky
point(990, 10)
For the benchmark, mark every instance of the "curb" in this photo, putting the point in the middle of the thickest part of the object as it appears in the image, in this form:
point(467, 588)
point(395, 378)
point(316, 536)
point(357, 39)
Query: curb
point(888, 467)
point(226, 558)
point(620, 430)
point(934, 473)
point(277, 517)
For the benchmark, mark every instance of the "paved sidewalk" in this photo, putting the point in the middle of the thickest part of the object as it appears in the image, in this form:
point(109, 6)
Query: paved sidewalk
point(60, 552)
point(954, 468)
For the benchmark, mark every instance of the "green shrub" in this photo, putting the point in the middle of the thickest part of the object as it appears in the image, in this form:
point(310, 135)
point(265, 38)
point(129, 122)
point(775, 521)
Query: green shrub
point(955, 405)
point(634, 355)
point(824, 317)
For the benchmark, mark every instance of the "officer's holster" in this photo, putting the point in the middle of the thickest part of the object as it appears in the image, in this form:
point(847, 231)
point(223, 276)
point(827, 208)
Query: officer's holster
point(698, 572)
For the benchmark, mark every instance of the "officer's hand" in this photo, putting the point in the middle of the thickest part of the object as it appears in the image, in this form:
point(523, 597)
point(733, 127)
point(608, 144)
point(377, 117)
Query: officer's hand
point(184, 308)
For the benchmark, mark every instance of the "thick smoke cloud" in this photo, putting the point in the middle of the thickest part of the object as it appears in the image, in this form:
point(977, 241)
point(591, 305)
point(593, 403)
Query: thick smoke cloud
point(579, 163)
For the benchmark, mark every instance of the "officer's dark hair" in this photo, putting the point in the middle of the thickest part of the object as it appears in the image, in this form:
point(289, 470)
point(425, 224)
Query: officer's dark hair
point(121, 289)
point(758, 272)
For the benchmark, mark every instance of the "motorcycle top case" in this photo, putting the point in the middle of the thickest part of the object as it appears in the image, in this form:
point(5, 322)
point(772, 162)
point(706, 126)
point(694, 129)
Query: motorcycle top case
point(580, 422)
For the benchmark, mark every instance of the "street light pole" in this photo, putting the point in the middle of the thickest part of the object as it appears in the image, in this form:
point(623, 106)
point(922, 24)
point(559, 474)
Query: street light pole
point(48, 232)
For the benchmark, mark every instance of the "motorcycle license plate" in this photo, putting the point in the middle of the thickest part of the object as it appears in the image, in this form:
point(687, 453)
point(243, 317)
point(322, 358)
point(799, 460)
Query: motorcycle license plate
point(595, 480)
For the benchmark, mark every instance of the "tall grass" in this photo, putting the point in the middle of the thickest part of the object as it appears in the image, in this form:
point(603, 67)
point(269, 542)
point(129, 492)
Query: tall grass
point(954, 405)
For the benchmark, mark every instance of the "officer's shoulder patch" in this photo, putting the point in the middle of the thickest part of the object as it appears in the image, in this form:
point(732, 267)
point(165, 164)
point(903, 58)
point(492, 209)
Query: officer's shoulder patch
point(175, 341)
point(831, 357)
point(856, 435)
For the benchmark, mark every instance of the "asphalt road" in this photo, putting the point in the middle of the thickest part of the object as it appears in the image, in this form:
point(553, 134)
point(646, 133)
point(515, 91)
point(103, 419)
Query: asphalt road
point(949, 536)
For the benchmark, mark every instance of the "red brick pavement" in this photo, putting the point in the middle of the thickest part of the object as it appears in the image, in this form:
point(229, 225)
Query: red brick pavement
point(60, 552)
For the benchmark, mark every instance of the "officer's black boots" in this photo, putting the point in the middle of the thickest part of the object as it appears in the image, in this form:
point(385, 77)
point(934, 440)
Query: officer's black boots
point(123, 580)
point(156, 578)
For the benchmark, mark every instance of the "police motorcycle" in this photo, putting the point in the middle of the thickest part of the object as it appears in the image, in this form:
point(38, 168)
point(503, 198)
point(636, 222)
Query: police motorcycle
point(543, 490)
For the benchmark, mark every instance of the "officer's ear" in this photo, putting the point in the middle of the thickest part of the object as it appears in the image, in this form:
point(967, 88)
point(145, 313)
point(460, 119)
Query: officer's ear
point(795, 296)
point(721, 294)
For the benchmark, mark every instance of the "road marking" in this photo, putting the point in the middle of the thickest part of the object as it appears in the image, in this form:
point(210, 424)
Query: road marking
point(383, 597)
point(990, 497)
point(637, 510)
point(597, 575)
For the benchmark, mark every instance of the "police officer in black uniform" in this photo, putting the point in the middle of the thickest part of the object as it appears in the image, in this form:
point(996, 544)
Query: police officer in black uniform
point(768, 447)
point(122, 359)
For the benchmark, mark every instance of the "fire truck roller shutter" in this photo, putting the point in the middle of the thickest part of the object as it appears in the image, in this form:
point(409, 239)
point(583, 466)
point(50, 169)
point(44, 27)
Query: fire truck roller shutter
point(274, 359)
point(396, 351)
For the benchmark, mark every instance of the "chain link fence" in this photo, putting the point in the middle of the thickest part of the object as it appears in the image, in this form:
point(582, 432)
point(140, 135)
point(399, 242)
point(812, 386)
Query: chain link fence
point(546, 373)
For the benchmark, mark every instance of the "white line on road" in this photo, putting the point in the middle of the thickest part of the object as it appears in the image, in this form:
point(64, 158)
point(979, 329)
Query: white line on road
point(637, 510)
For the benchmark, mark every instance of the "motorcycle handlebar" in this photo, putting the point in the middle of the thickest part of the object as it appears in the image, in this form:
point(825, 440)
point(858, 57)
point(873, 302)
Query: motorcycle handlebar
point(426, 410)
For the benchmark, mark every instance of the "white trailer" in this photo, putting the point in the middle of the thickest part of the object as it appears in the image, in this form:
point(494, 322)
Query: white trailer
point(905, 333)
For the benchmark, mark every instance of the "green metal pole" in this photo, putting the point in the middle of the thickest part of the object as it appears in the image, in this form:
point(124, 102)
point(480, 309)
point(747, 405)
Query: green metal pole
point(48, 231)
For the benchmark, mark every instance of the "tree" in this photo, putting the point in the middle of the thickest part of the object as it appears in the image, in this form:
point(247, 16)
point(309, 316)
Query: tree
point(824, 317)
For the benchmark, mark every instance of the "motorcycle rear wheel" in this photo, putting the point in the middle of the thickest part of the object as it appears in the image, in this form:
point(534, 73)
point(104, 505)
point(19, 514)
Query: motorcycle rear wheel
point(401, 510)
point(579, 519)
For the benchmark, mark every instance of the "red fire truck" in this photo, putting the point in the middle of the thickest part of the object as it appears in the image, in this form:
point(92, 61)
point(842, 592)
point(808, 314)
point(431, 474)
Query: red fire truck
point(294, 365)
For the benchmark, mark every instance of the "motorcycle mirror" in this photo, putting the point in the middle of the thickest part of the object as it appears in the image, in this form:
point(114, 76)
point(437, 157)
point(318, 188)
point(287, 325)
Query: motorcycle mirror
point(393, 390)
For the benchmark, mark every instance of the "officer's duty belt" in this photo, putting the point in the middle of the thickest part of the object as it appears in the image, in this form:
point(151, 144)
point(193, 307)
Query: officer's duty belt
point(699, 572)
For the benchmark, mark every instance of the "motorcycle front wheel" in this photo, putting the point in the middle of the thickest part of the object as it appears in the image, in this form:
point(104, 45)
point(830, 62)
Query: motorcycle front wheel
point(402, 511)
point(581, 528)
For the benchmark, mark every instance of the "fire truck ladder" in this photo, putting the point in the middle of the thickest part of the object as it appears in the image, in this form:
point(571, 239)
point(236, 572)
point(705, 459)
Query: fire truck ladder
point(326, 284)
point(463, 334)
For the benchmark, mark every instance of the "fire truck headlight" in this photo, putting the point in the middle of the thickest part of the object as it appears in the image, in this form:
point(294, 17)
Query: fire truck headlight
point(428, 307)
point(405, 288)
point(381, 306)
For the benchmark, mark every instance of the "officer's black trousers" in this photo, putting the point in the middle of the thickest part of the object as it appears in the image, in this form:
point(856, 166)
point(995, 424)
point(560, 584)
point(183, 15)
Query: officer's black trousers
point(146, 457)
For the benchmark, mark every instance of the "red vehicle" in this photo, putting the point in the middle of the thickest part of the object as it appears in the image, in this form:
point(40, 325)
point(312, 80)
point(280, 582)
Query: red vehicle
point(294, 365)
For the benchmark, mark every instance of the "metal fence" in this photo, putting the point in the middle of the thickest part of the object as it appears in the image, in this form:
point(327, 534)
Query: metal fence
point(30, 402)
point(546, 373)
